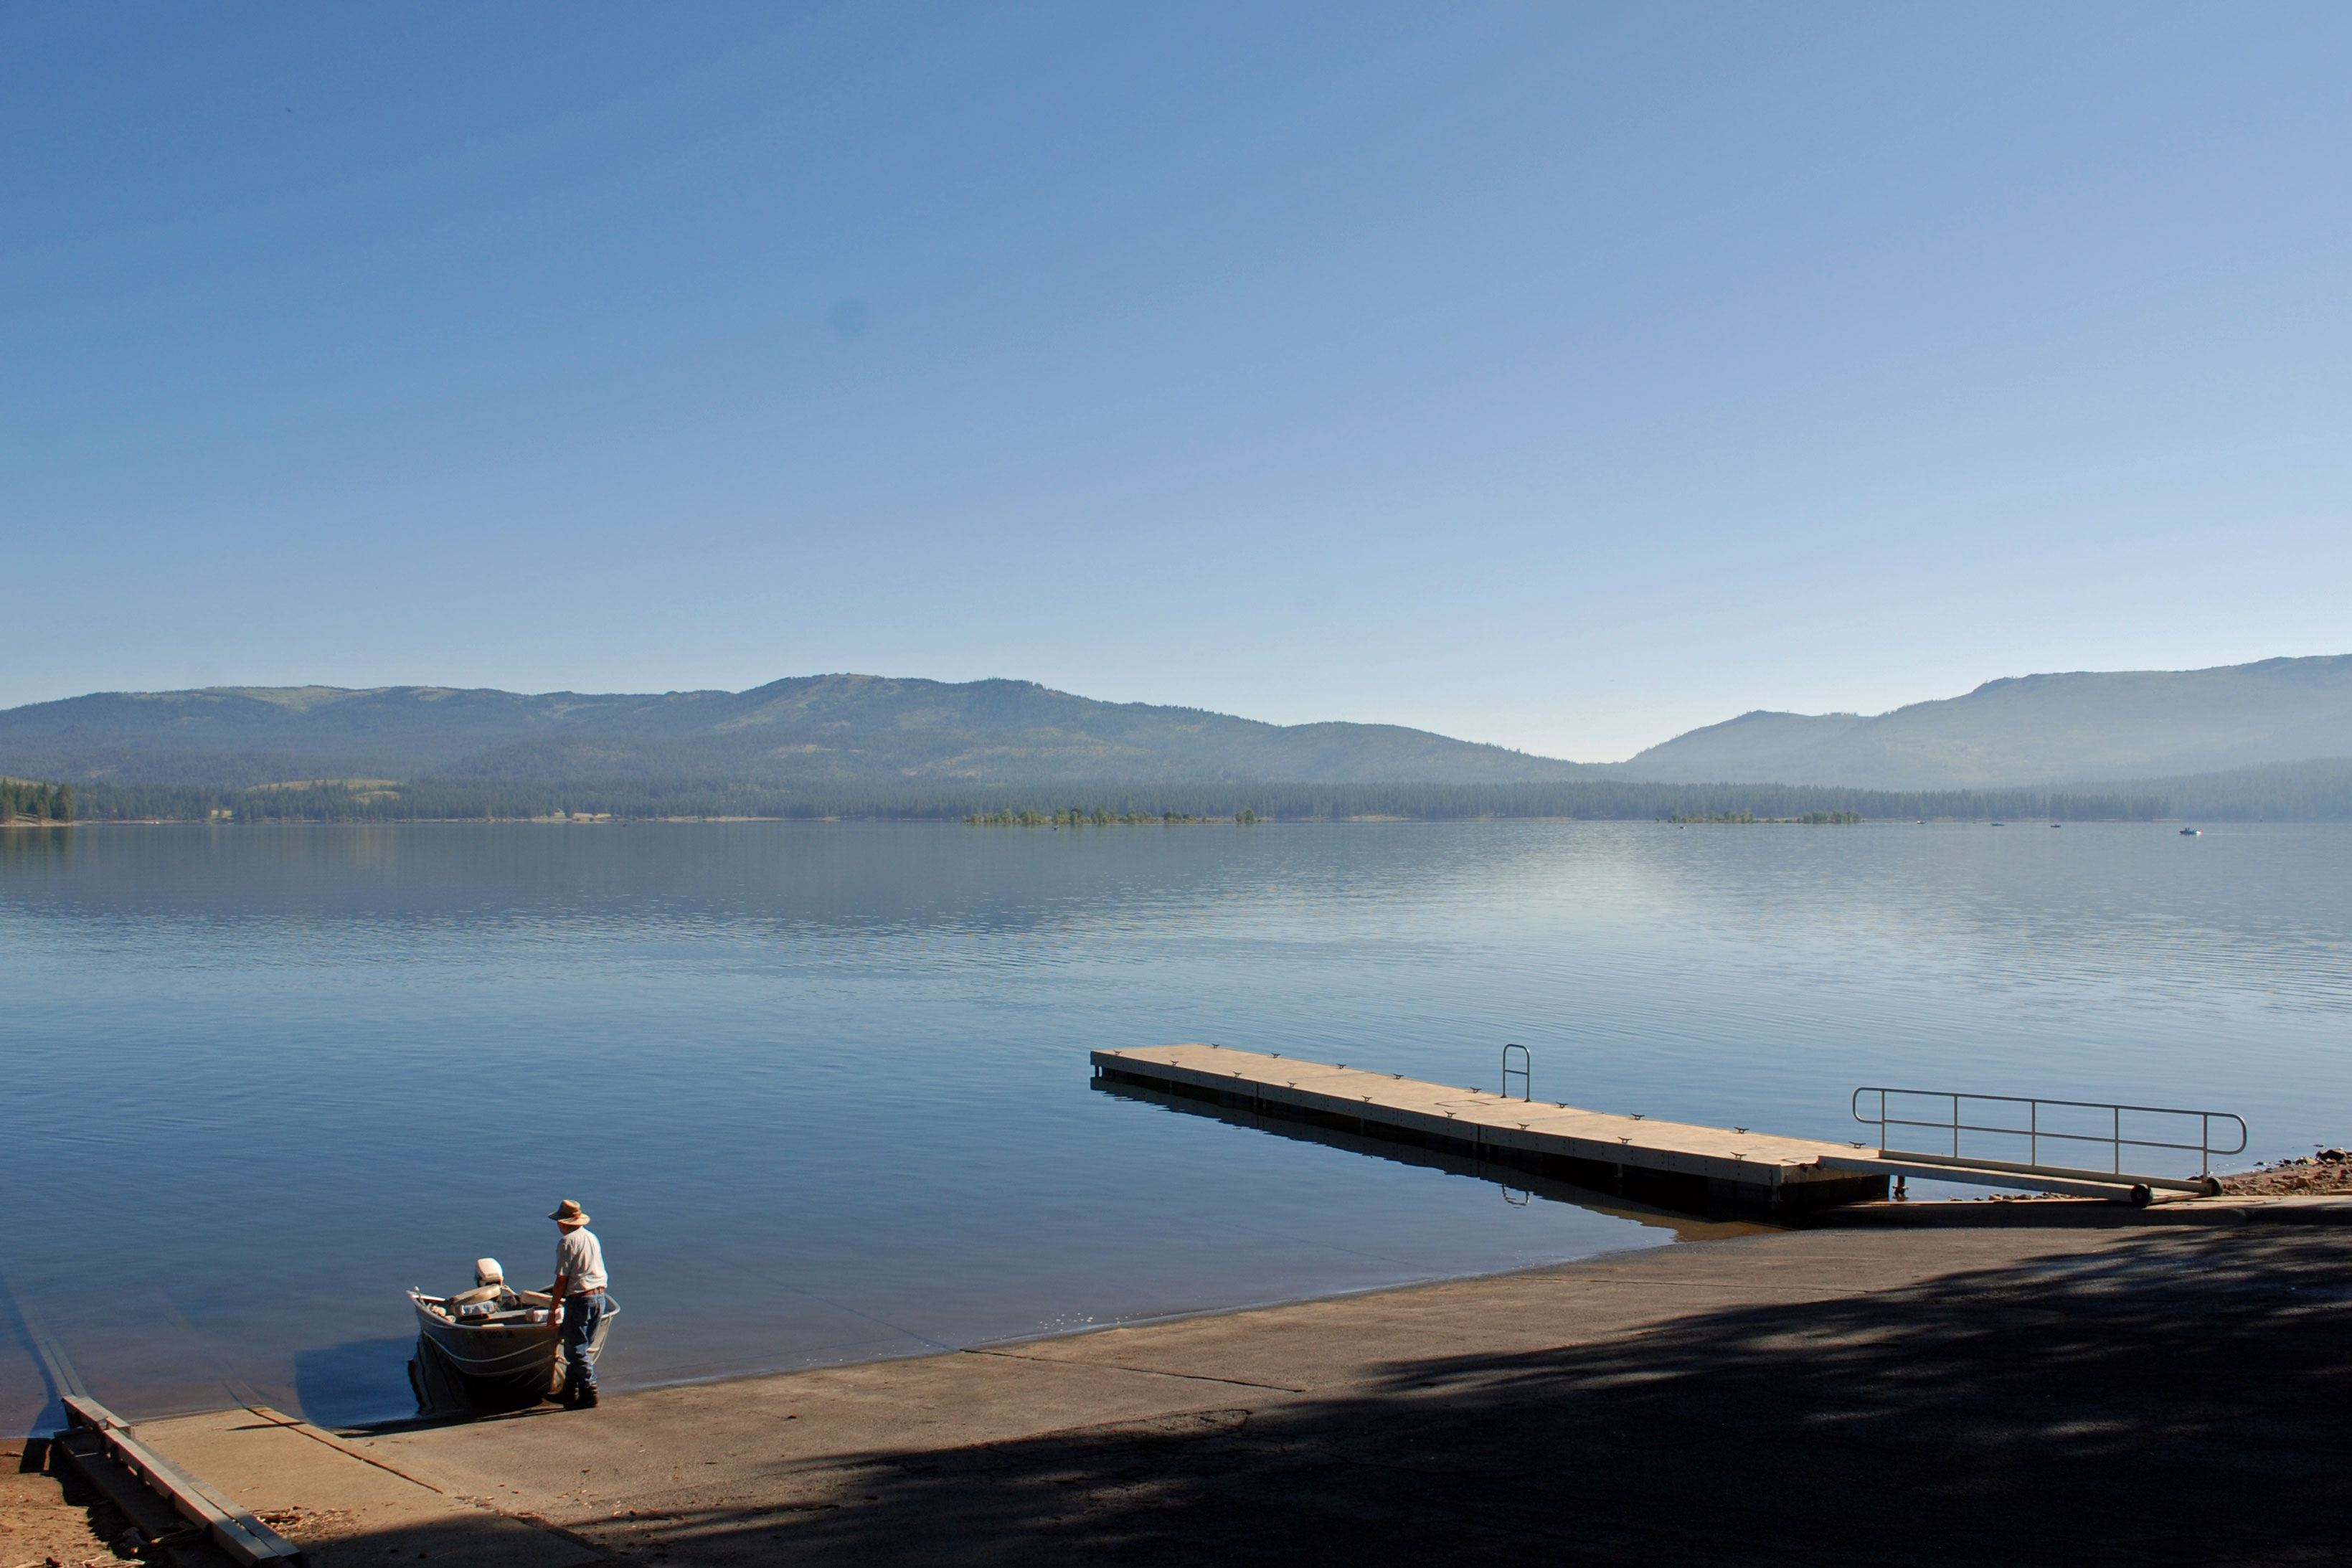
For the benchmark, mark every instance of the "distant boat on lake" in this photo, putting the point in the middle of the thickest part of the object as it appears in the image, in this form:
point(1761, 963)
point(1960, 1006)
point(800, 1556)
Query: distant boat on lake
point(2192, 833)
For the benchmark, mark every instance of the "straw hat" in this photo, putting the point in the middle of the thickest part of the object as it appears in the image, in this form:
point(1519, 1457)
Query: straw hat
point(568, 1213)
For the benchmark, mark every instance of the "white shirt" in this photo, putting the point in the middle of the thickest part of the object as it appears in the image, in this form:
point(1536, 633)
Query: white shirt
point(581, 1260)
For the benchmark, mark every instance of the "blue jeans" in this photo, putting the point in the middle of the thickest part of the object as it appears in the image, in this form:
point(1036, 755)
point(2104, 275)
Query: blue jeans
point(581, 1316)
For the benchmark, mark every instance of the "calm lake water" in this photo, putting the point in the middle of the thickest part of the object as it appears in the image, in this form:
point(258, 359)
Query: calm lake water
point(824, 1087)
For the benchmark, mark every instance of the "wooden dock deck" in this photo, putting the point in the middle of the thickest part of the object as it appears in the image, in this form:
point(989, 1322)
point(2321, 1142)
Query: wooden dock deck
point(1676, 1163)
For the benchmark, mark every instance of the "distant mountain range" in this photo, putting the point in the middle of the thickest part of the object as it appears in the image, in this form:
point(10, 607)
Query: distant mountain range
point(2036, 729)
point(836, 731)
point(821, 731)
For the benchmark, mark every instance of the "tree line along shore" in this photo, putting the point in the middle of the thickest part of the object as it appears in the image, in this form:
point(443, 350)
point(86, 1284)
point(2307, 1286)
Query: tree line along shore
point(32, 803)
point(1073, 803)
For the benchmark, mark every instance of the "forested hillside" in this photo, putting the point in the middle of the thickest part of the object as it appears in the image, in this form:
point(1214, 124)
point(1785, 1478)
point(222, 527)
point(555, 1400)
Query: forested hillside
point(862, 745)
point(2039, 729)
point(2315, 790)
point(837, 733)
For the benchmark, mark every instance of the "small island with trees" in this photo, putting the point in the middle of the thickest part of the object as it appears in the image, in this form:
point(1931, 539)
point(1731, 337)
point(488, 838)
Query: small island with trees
point(1809, 819)
point(1080, 817)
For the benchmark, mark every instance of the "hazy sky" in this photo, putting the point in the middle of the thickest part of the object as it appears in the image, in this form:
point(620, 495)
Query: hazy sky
point(1566, 377)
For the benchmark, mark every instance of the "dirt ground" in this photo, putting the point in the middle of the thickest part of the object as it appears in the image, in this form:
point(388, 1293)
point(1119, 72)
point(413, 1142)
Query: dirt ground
point(42, 1526)
point(2329, 1170)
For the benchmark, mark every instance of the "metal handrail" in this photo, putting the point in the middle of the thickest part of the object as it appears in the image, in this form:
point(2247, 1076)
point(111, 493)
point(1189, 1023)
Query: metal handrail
point(1526, 1072)
point(2035, 1133)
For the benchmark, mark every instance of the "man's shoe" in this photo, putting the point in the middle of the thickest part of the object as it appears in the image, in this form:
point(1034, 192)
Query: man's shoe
point(587, 1400)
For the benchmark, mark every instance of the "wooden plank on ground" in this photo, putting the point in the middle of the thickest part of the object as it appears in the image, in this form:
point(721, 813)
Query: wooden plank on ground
point(232, 1528)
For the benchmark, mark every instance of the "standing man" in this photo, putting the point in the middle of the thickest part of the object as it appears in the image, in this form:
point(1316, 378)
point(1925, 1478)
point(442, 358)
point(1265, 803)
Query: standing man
point(579, 1290)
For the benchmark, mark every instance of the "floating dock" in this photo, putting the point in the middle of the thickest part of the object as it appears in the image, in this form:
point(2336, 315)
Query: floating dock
point(1671, 1163)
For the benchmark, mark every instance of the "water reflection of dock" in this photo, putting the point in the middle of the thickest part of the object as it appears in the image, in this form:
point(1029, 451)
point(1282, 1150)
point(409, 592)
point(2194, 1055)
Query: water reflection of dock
point(1671, 1164)
point(1515, 1184)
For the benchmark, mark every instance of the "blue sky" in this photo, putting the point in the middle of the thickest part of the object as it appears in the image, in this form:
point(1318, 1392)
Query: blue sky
point(1564, 377)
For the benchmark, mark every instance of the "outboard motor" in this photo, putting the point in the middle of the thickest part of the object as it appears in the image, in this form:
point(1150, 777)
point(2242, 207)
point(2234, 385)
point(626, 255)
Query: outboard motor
point(490, 1294)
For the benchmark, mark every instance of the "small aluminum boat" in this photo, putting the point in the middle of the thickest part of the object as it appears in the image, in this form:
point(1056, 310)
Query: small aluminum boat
point(489, 1348)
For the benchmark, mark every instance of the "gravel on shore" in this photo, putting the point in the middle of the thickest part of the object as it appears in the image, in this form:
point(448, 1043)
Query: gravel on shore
point(2327, 1173)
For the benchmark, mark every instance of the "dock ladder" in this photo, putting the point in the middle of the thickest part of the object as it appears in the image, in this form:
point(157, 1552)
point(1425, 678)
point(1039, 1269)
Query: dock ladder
point(1526, 1071)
